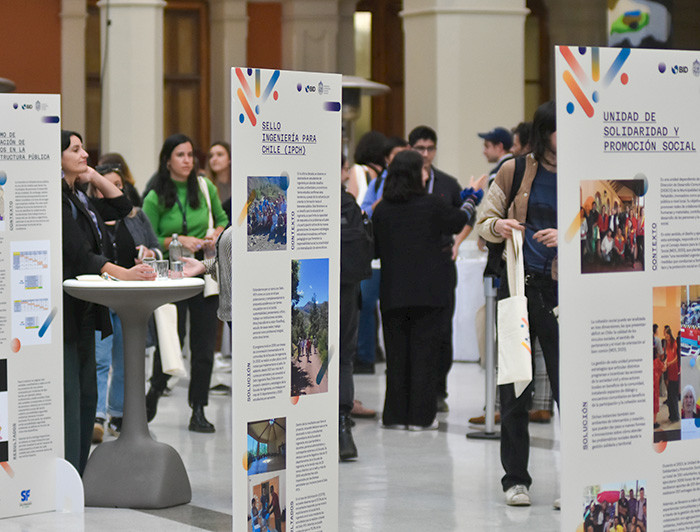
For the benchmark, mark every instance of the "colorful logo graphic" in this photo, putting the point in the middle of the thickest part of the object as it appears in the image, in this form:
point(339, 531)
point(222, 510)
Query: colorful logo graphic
point(585, 86)
point(250, 101)
point(662, 67)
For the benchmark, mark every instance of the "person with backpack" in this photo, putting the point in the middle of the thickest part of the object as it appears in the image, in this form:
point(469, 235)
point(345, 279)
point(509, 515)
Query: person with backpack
point(356, 251)
point(531, 207)
point(367, 336)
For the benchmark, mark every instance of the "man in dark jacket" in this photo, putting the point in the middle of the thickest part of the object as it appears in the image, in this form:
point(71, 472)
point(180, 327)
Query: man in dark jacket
point(423, 139)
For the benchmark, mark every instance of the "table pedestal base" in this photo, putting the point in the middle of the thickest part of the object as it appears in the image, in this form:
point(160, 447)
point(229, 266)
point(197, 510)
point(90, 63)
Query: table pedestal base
point(135, 474)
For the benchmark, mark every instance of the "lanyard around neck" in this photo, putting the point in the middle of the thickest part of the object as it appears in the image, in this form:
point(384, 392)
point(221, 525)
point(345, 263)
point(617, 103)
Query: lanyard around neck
point(184, 215)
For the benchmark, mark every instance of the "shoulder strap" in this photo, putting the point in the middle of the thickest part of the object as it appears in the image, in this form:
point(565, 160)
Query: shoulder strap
point(73, 210)
point(517, 178)
point(205, 191)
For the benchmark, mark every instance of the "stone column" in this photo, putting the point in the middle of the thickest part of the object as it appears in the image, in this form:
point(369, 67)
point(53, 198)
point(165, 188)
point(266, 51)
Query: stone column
point(73, 21)
point(346, 37)
point(132, 85)
point(464, 74)
point(309, 35)
point(228, 24)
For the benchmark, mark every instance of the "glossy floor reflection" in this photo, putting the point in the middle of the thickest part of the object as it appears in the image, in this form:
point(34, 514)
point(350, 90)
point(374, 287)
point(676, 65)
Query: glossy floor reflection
point(402, 481)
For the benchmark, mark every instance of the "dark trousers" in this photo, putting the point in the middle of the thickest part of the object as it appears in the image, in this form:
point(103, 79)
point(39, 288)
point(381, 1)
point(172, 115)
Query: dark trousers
point(79, 392)
point(203, 322)
point(411, 335)
point(542, 297)
point(445, 352)
point(367, 328)
point(673, 398)
point(349, 319)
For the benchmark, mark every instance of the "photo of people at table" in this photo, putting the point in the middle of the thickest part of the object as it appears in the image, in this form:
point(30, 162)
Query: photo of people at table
point(615, 507)
point(267, 508)
point(689, 363)
point(309, 349)
point(267, 445)
point(267, 213)
point(612, 225)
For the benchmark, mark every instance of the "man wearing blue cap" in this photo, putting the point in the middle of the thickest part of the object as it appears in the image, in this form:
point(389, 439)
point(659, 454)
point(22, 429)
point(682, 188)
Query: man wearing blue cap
point(497, 145)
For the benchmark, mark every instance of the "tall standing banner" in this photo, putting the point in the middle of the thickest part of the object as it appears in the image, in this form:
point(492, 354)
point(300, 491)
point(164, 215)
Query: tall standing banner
point(629, 248)
point(31, 336)
point(286, 142)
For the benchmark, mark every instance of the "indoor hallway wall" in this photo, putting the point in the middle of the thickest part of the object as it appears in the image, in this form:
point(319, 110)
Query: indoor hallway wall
point(31, 44)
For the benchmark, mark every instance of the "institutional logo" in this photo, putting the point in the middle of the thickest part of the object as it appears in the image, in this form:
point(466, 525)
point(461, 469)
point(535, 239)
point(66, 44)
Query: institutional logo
point(24, 495)
point(679, 69)
point(696, 68)
point(253, 100)
point(585, 84)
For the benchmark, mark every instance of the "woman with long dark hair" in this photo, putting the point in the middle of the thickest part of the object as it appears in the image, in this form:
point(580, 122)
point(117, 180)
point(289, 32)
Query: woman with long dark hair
point(131, 238)
point(407, 228)
point(534, 211)
point(178, 205)
point(85, 251)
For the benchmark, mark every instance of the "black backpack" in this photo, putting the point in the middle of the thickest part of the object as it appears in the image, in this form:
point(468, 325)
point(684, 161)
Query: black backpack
point(495, 263)
point(356, 241)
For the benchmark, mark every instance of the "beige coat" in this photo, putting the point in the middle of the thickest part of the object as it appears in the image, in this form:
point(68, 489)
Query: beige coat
point(495, 205)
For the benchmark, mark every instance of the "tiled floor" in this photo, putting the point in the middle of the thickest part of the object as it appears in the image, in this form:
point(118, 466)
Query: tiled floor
point(402, 481)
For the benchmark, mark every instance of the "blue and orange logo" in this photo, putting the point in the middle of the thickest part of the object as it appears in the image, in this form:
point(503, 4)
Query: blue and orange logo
point(252, 101)
point(581, 83)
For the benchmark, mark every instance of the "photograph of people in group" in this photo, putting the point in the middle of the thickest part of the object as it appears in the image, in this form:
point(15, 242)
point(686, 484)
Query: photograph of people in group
point(309, 326)
point(612, 225)
point(690, 369)
point(267, 213)
point(267, 445)
point(267, 512)
point(667, 338)
point(615, 507)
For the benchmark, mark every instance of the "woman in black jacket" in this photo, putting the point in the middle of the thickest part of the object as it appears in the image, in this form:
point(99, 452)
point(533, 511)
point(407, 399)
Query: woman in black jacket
point(407, 228)
point(84, 242)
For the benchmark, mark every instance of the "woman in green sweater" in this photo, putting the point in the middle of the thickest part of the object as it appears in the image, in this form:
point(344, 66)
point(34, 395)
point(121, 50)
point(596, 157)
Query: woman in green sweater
point(177, 205)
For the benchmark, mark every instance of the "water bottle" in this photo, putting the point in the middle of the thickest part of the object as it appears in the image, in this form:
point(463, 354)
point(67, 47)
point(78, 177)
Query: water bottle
point(174, 250)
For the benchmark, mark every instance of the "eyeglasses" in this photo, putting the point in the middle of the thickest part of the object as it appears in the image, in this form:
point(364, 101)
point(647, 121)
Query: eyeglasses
point(428, 149)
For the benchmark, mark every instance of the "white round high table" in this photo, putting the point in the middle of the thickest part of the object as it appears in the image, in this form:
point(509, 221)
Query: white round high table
point(135, 471)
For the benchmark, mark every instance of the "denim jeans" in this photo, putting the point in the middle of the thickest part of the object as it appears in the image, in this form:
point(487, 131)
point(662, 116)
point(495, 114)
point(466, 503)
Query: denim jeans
point(110, 353)
point(367, 331)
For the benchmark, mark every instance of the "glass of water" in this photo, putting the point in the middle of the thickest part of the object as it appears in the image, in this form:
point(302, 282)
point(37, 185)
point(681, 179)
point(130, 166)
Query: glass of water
point(177, 270)
point(162, 269)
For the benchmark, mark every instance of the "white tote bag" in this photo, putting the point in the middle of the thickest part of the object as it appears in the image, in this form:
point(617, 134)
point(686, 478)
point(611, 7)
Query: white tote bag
point(514, 350)
point(211, 285)
point(169, 341)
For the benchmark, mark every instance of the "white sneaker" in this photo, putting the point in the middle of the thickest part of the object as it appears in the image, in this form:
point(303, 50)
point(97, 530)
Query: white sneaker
point(418, 428)
point(518, 495)
point(393, 427)
point(557, 503)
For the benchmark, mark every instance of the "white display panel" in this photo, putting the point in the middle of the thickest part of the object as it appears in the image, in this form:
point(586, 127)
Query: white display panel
point(628, 131)
point(286, 142)
point(31, 334)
